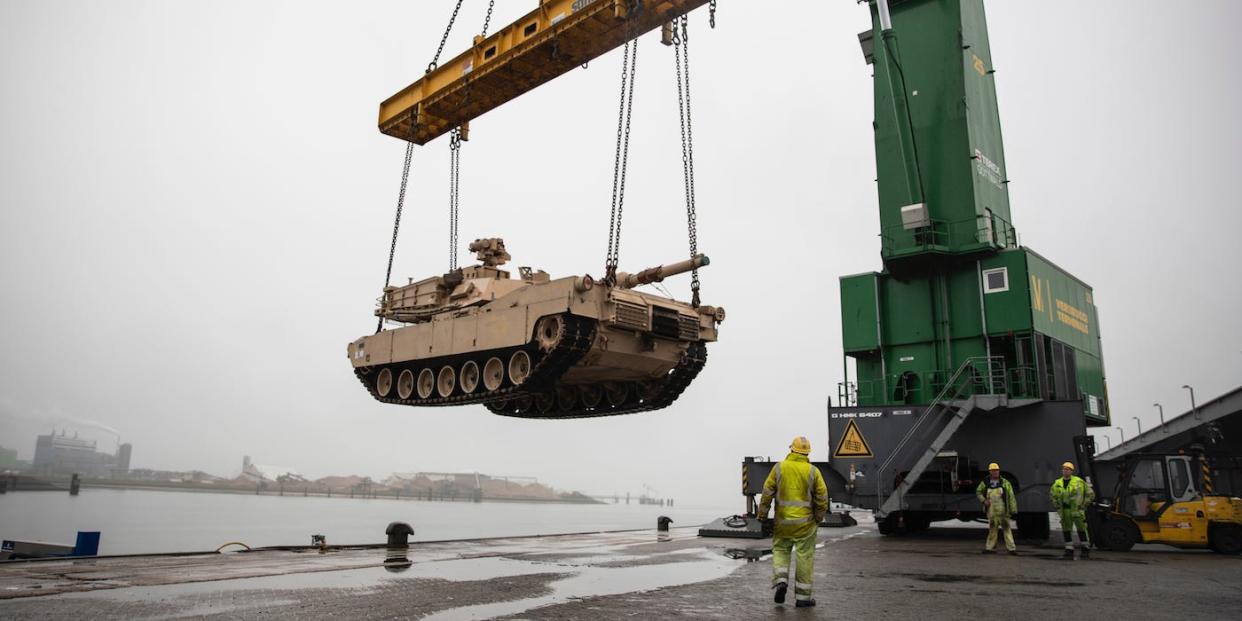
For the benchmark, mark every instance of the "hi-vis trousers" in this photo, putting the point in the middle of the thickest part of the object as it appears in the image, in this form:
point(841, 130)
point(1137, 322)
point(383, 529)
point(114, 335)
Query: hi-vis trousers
point(804, 573)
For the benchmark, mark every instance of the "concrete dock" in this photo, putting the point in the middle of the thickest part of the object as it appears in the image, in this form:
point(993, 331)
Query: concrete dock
point(635, 574)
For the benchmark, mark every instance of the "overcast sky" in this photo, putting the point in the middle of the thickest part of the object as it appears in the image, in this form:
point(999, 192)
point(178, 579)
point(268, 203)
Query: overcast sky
point(195, 207)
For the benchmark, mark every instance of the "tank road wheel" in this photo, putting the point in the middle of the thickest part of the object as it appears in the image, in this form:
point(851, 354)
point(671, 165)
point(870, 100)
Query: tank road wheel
point(548, 332)
point(469, 377)
point(521, 405)
point(648, 390)
point(383, 382)
point(616, 393)
point(592, 395)
point(426, 383)
point(545, 402)
point(493, 374)
point(447, 381)
point(519, 367)
point(566, 398)
point(405, 384)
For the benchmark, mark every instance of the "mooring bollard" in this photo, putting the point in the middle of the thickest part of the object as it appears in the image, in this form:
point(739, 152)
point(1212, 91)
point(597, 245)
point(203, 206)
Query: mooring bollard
point(399, 534)
point(662, 523)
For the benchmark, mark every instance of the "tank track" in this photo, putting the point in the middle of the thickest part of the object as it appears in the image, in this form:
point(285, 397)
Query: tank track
point(639, 397)
point(575, 341)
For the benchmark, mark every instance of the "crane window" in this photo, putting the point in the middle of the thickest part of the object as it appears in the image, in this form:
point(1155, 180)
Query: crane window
point(996, 280)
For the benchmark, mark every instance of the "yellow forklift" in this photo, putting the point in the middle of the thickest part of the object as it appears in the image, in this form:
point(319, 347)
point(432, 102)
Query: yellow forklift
point(1156, 498)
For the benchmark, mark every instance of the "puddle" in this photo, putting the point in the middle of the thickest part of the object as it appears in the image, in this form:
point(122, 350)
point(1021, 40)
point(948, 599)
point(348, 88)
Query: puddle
point(594, 581)
point(973, 579)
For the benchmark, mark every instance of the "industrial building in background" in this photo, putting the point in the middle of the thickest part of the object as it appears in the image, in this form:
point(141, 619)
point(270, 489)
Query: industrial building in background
point(968, 347)
point(260, 472)
point(8, 459)
point(60, 453)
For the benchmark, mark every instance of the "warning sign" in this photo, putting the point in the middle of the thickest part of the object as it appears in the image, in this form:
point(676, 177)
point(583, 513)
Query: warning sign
point(852, 443)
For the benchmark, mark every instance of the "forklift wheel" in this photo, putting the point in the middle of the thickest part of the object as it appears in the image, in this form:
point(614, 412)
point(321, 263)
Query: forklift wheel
point(1118, 534)
point(1226, 539)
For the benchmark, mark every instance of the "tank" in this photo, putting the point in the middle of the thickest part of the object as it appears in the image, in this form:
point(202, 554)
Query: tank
point(534, 346)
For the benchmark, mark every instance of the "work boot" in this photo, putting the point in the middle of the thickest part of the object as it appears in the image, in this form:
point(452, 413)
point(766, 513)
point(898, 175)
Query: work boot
point(1069, 554)
point(1013, 553)
point(1086, 553)
point(987, 551)
point(805, 603)
point(780, 587)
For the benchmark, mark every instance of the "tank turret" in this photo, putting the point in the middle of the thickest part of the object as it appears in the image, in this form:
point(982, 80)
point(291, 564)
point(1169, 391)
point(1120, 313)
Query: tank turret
point(535, 346)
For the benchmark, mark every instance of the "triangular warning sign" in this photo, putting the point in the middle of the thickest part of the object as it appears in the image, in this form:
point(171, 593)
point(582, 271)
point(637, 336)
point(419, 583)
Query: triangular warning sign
point(852, 443)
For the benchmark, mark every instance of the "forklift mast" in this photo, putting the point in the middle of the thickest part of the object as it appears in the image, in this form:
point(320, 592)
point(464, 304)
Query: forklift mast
point(1084, 455)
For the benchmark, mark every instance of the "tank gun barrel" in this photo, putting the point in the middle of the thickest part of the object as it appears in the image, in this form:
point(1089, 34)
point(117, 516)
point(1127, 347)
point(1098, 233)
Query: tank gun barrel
point(660, 272)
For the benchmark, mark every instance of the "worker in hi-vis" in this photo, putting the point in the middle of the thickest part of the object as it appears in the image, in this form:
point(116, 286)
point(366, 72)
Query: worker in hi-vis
point(801, 504)
point(996, 495)
point(1070, 497)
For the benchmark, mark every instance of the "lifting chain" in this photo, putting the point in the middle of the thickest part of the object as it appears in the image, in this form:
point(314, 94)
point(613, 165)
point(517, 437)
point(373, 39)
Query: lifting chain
point(488, 20)
point(455, 141)
point(409, 156)
point(629, 60)
point(681, 51)
point(711, 13)
point(435, 61)
point(396, 225)
point(454, 193)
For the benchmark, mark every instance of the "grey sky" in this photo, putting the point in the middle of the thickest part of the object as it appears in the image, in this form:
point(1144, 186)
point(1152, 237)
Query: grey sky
point(195, 207)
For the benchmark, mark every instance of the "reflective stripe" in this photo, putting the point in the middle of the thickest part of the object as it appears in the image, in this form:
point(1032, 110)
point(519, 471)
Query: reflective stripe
point(794, 503)
point(803, 585)
point(802, 598)
point(795, 520)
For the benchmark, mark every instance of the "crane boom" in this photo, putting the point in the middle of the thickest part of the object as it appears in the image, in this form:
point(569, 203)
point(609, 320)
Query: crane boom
point(543, 44)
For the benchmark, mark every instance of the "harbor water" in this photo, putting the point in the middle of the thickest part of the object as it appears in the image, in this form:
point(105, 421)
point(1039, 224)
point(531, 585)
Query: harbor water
point(145, 521)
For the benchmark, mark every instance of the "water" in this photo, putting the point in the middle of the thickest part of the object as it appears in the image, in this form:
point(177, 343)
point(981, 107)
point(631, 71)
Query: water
point(145, 521)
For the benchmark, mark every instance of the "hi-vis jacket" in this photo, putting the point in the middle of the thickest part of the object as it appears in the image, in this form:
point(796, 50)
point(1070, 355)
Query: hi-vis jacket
point(801, 497)
point(1071, 497)
point(1000, 496)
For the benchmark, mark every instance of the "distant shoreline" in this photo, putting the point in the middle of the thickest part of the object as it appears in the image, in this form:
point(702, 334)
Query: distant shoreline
point(29, 483)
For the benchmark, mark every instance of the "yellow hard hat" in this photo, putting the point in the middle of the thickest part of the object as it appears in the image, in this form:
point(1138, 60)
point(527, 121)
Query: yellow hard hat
point(993, 466)
point(1068, 464)
point(800, 445)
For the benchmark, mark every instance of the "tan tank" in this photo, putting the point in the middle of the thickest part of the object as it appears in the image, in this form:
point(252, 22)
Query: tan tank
point(535, 347)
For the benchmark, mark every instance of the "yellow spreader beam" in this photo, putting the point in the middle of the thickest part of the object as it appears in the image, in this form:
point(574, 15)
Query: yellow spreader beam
point(542, 45)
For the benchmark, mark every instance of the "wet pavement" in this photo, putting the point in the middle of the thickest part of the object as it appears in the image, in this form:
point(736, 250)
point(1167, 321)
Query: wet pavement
point(639, 574)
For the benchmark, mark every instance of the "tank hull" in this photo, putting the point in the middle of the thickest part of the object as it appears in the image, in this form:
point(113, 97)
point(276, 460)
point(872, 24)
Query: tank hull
point(546, 350)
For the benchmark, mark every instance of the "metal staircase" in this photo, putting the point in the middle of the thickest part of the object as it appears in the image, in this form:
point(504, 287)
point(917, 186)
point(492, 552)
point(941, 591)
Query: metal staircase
point(978, 383)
